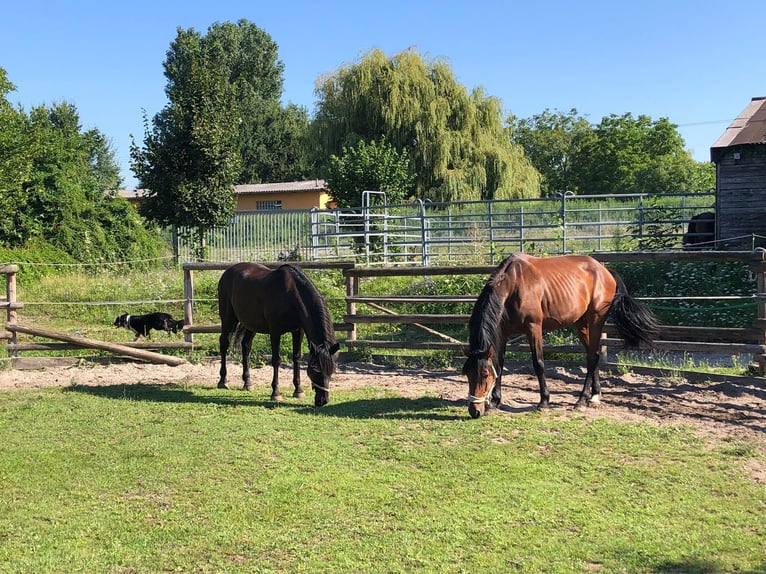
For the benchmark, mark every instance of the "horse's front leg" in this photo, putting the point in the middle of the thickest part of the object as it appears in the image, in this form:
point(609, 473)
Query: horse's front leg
point(297, 342)
point(247, 345)
point(276, 360)
point(496, 398)
point(535, 339)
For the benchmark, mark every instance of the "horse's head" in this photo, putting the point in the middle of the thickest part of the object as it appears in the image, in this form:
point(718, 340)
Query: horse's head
point(480, 369)
point(321, 366)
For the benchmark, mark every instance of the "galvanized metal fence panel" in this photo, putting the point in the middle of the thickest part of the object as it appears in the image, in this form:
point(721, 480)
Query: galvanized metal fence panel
point(426, 233)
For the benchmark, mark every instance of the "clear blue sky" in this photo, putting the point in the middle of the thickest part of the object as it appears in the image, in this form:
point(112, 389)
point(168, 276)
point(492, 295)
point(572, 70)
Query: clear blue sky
point(696, 63)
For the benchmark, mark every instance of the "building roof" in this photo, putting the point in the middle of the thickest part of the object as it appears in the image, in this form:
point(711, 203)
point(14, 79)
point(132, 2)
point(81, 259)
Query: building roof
point(749, 128)
point(130, 193)
point(285, 187)
point(252, 188)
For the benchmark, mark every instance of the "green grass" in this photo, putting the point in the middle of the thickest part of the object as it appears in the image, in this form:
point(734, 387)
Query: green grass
point(155, 478)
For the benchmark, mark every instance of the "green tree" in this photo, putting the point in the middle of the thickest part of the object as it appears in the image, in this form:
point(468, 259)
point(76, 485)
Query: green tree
point(638, 155)
point(15, 167)
point(456, 142)
point(271, 139)
point(374, 166)
point(57, 188)
point(551, 141)
point(189, 162)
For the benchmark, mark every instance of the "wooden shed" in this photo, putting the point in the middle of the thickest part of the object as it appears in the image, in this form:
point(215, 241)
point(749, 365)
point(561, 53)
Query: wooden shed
point(267, 196)
point(740, 159)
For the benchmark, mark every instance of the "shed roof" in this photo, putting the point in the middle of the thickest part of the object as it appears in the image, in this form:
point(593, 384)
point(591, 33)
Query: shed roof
point(284, 187)
point(748, 128)
point(252, 188)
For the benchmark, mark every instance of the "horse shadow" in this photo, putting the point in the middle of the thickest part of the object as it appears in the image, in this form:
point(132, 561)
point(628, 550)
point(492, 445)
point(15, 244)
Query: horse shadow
point(421, 408)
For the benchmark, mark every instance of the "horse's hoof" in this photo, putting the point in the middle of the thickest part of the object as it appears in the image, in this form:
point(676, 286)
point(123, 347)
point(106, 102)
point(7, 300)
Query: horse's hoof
point(247, 387)
point(223, 386)
point(277, 398)
point(299, 395)
point(543, 407)
point(594, 401)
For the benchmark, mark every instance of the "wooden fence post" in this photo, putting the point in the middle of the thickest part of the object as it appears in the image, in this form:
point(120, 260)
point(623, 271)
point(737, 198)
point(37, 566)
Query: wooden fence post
point(188, 304)
point(352, 290)
point(10, 301)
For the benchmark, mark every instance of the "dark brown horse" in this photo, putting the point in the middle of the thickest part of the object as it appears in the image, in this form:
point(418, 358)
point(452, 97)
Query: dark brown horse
point(254, 299)
point(701, 232)
point(529, 295)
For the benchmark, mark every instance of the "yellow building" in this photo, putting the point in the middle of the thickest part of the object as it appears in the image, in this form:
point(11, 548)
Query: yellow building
point(288, 195)
point(267, 196)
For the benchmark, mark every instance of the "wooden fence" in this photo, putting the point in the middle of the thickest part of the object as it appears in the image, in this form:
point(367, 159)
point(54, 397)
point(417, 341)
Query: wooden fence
point(731, 341)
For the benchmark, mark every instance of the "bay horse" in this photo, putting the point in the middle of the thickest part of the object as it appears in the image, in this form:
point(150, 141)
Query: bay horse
point(529, 295)
point(252, 298)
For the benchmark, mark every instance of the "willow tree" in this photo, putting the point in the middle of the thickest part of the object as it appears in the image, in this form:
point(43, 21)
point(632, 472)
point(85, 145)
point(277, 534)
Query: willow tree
point(456, 141)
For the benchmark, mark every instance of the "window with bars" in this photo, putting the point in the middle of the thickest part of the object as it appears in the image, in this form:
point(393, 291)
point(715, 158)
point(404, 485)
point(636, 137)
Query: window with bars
point(270, 205)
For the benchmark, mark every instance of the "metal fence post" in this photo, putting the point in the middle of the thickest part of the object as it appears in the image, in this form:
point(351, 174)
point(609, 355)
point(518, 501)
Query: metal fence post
point(563, 215)
point(491, 233)
point(314, 233)
point(423, 236)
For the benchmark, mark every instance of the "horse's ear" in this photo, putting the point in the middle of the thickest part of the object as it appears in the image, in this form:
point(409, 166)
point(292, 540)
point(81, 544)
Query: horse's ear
point(334, 349)
point(490, 352)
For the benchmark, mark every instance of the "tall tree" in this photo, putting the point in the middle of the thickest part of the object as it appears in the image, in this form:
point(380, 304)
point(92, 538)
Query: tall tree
point(456, 142)
point(622, 154)
point(15, 167)
point(270, 138)
point(189, 162)
point(551, 141)
point(630, 154)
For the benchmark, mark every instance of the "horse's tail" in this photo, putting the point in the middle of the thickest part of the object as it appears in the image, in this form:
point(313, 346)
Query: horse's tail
point(236, 334)
point(635, 322)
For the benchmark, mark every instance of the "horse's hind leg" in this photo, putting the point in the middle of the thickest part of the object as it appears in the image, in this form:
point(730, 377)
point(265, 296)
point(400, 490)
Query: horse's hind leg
point(247, 346)
point(223, 345)
point(590, 337)
point(276, 360)
point(297, 342)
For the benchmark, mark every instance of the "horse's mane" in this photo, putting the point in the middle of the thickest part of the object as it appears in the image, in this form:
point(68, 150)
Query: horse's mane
point(488, 312)
point(316, 311)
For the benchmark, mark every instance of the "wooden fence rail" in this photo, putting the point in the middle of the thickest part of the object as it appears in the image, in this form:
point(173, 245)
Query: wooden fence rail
point(734, 341)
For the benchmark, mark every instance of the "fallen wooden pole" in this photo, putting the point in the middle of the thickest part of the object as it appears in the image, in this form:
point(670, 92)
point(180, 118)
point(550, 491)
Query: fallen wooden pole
point(418, 325)
point(116, 348)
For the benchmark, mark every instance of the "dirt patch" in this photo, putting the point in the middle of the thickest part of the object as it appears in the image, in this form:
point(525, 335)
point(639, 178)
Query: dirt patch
point(721, 412)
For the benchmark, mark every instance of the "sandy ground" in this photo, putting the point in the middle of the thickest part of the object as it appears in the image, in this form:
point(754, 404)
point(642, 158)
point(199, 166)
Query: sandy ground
point(728, 411)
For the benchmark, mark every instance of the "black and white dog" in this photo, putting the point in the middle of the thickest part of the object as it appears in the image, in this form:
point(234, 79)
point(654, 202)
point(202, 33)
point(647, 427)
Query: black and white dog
point(142, 324)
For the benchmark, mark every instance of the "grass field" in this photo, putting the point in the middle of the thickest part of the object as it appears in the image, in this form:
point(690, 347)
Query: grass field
point(186, 478)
